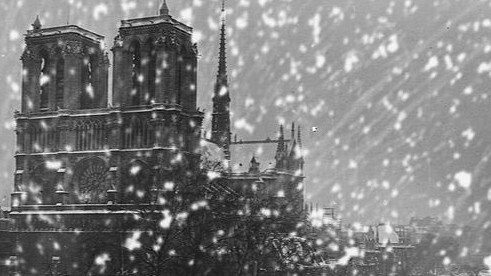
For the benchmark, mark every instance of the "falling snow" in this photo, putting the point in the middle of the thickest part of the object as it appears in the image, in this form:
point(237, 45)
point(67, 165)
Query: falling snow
point(393, 98)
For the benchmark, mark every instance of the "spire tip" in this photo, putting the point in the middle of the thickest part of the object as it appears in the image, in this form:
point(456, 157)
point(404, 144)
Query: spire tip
point(37, 23)
point(164, 9)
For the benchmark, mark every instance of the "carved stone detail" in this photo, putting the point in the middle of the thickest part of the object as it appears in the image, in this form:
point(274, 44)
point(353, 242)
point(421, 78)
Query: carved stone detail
point(29, 56)
point(73, 48)
point(168, 41)
point(118, 42)
point(194, 48)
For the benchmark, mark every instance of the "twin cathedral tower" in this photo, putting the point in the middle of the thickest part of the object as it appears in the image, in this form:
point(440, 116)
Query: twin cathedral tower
point(67, 128)
point(80, 151)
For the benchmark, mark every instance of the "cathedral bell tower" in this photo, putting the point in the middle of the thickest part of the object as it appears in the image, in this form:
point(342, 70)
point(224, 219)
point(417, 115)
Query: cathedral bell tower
point(220, 132)
point(155, 62)
point(63, 68)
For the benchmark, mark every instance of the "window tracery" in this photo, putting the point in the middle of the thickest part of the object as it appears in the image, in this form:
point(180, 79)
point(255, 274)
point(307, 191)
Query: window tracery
point(90, 135)
point(138, 133)
point(91, 181)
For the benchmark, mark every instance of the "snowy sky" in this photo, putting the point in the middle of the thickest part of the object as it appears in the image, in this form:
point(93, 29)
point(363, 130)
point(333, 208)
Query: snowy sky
point(398, 90)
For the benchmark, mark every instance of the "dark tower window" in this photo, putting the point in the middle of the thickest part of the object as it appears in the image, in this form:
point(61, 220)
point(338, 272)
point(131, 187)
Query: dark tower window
point(136, 77)
point(60, 84)
point(44, 80)
point(152, 63)
point(179, 77)
point(87, 97)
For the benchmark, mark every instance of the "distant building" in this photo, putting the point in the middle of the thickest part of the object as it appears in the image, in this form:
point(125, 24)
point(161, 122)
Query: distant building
point(423, 226)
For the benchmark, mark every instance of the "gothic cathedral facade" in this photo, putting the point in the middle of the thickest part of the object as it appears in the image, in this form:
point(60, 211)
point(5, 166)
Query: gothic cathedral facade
point(76, 153)
point(86, 159)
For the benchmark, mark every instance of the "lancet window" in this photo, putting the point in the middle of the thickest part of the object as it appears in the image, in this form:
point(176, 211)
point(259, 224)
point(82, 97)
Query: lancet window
point(88, 94)
point(44, 80)
point(151, 73)
point(138, 133)
point(90, 135)
point(60, 81)
point(136, 76)
point(41, 138)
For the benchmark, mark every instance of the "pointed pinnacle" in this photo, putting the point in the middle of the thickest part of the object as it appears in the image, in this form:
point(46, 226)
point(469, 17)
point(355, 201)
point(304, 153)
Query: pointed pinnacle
point(164, 10)
point(253, 160)
point(37, 23)
point(222, 56)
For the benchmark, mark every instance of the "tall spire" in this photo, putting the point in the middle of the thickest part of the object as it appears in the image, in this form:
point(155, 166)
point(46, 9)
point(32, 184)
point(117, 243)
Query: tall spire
point(222, 59)
point(281, 150)
point(221, 98)
point(299, 137)
point(281, 141)
point(293, 131)
point(164, 10)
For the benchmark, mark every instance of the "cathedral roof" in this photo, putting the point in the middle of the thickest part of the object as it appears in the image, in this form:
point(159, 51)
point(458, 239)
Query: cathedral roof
point(155, 20)
point(241, 156)
point(162, 18)
point(67, 29)
point(212, 155)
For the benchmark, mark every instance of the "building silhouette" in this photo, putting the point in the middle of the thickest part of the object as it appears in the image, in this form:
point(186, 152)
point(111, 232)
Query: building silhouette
point(85, 166)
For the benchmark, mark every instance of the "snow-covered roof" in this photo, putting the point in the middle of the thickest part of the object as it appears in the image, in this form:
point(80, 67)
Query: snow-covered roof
point(68, 29)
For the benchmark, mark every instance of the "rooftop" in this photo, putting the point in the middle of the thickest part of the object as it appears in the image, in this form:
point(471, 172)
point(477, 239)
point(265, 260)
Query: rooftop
point(155, 20)
point(67, 29)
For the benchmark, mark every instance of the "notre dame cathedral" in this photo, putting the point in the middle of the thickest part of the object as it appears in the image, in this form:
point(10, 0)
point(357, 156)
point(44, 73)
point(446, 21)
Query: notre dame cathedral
point(86, 161)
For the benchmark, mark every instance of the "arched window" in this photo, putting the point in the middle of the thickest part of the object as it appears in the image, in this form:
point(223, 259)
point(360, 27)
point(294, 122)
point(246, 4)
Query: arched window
point(179, 77)
point(60, 82)
point(80, 135)
point(152, 63)
point(137, 129)
point(53, 139)
point(136, 77)
point(127, 135)
point(180, 74)
point(149, 135)
point(44, 80)
point(31, 141)
point(138, 133)
point(90, 135)
point(96, 135)
point(99, 139)
point(88, 95)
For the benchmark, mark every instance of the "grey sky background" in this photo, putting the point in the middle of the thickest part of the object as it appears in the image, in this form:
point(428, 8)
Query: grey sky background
point(398, 90)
